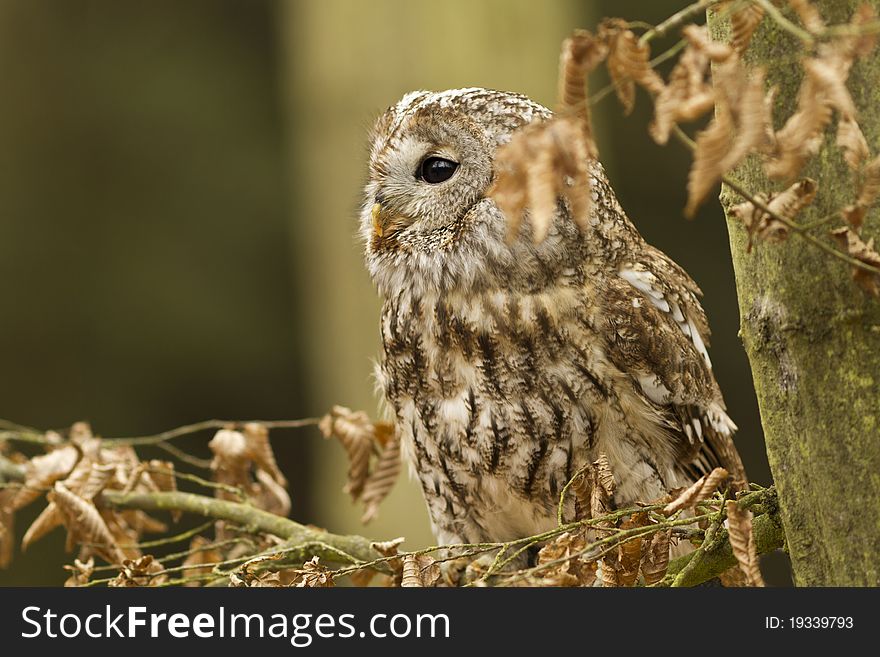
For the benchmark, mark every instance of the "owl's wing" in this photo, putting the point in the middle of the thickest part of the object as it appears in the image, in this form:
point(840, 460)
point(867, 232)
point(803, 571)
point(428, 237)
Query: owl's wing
point(659, 333)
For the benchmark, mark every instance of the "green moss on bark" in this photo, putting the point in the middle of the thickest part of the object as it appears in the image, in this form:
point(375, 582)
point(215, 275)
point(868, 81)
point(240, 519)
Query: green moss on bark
point(813, 340)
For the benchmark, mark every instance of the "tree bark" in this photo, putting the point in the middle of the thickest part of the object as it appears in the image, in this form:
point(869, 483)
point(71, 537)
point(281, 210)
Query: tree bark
point(813, 340)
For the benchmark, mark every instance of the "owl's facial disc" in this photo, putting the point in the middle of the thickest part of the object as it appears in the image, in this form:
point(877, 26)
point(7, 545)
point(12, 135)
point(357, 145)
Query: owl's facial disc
point(427, 173)
point(432, 170)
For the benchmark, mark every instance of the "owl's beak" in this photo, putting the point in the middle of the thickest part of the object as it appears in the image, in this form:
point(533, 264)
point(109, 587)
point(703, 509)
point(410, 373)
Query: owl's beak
point(384, 222)
point(378, 224)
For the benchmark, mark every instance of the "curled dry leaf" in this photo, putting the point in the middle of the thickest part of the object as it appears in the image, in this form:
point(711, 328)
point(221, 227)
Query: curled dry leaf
point(687, 95)
point(144, 571)
point(382, 478)
point(260, 450)
point(655, 559)
point(41, 472)
point(313, 575)
point(80, 572)
point(852, 142)
point(201, 551)
point(245, 460)
point(629, 553)
point(568, 566)
point(361, 438)
point(231, 464)
point(863, 44)
point(86, 480)
point(822, 91)
point(864, 252)
point(270, 495)
point(581, 53)
point(162, 473)
point(356, 433)
point(869, 188)
point(545, 161)
point(604, 475)
point(419, 571)
point(84, 523)
point(743, 23)
point(7, 531)
point(701, 490)
point(742, 540)
point(829, 74)
point(787, 204)
point(809, 15)
point(608, 570)
point(739, 127)
point(628, 63)
point(582, 487)
point(542, 162)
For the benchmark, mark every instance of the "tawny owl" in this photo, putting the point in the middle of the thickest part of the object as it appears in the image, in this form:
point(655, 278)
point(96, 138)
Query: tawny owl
point(509, 364)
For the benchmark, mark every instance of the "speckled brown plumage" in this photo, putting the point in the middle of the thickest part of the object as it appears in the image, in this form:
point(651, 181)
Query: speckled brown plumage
point(509, 364)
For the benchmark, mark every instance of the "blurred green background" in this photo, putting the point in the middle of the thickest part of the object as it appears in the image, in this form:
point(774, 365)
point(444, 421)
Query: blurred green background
point(179, 183)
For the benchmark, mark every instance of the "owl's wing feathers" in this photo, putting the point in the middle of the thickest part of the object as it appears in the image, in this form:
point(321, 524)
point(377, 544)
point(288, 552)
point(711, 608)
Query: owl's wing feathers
point(658, 334)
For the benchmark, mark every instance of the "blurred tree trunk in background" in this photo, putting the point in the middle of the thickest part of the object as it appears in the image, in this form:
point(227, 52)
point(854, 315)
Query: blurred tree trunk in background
point(813, 339)
point(347, 58)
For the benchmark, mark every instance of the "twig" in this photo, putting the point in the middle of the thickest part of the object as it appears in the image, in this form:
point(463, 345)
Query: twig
point(769, 536)
point(677, 20)
point(773, 12)
point(216, 485)
point(795, 227)
point(357, 549)
point(176, 452)
point(206, 425)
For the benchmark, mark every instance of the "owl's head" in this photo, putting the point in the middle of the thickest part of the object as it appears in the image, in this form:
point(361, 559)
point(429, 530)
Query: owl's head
point(426, 219)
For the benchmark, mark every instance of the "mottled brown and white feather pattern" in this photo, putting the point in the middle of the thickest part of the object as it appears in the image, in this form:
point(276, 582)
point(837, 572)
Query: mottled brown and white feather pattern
point(510, 364)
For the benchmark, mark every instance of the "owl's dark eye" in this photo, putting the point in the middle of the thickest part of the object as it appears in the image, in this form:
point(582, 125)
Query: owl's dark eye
point(436, 170)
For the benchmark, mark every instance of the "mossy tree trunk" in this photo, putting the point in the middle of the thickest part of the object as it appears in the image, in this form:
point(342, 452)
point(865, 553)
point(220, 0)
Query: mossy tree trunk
point(813, 339)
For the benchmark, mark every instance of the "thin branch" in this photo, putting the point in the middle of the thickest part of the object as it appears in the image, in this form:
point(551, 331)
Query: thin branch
point(677, 20)
point(792, 28)
point(356, 549)
point(206, 425)
point(769, 536)
point(795, 227)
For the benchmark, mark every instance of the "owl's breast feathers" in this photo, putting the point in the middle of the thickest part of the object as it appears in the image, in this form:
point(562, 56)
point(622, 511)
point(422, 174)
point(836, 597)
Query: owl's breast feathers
point(501, 395)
